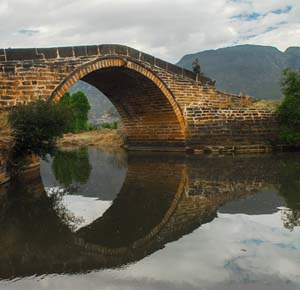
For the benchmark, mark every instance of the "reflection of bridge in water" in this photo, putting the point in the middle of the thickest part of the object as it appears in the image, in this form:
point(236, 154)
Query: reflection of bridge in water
point(162, 199)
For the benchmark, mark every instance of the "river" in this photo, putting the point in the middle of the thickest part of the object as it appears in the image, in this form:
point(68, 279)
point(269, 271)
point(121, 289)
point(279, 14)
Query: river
point(89, 219)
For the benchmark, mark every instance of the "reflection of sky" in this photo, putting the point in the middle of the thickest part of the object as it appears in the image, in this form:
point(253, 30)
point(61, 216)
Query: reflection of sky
point(234, 251)
point(87, 208)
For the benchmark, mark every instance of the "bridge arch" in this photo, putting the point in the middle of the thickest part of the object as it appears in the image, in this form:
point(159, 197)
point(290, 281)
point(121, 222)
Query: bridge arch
point(149, 111)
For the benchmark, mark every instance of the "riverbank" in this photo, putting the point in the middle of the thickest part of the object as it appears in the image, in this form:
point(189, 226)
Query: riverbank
point(97, 138)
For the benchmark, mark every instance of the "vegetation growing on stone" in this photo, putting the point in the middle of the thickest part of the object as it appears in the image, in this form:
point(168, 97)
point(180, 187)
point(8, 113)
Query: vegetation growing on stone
point(289, 110)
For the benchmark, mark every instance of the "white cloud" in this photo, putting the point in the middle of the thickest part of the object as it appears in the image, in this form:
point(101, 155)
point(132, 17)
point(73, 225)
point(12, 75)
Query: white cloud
point(167, 29)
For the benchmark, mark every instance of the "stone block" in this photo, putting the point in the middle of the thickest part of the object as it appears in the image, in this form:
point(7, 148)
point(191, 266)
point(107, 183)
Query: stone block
point(120, 49)
point(22, 54)
point(106, 49)
point(49, 53)
point(92, 49)
point(188, 74)
point(65, 52)
point(161, 63)
point(174, 69)
point(148, 58)
point(133, 53)
point(80, 51)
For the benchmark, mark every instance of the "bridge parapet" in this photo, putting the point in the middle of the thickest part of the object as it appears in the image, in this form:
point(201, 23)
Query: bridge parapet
point(11, 56)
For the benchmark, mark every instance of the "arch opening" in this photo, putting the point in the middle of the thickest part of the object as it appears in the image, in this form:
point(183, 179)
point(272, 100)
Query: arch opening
point(149, 112)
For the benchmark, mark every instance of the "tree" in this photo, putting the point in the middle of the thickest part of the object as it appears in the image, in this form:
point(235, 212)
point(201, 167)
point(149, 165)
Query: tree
point(36, 128)
point(289, 110)
point(79, 105)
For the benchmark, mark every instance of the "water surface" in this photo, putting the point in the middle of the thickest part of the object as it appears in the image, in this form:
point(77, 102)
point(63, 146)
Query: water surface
point(111, 220)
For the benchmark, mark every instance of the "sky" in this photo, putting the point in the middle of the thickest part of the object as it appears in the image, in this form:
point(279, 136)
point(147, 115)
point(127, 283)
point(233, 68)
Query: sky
point(167, 29)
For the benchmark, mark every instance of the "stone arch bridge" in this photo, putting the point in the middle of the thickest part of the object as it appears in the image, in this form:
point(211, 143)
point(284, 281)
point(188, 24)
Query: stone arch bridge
point(162, 105)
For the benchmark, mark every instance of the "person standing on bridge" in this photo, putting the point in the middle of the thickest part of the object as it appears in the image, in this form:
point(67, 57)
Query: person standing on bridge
point(196, 69)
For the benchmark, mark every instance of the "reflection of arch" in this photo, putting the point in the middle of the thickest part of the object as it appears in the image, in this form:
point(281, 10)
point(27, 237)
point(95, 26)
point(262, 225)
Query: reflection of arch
point(143, 207)
point(148, 108)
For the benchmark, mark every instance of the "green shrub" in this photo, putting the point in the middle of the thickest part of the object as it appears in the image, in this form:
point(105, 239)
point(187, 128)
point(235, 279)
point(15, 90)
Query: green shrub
point(36, 128)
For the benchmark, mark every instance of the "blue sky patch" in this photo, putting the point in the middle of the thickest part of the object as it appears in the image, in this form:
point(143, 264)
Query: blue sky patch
point(287, 9)
point(254, 15)
point(247, 16)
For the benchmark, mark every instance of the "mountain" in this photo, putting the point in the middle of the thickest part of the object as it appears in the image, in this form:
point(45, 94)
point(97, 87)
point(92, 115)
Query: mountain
point(248, 69)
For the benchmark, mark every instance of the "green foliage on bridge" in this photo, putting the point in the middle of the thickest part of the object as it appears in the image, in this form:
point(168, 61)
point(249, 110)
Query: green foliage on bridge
point(36, 128)
point(79, 106)
point(289, 110)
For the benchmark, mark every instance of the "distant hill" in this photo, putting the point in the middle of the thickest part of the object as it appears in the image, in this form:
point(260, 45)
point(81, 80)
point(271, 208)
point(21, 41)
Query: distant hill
point(248, 69)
